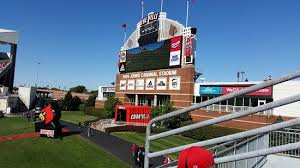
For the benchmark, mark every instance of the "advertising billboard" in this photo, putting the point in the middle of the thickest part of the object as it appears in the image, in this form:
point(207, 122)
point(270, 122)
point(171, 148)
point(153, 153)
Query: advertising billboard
point(262, 92)
point(222, 90)
point(210, 90)
point(175, 51)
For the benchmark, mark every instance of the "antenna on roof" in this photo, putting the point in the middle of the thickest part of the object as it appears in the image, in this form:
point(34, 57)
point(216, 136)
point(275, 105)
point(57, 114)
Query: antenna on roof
point(187, 12)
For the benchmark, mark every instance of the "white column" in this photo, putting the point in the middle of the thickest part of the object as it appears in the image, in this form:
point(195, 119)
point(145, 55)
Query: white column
point(234, 104)
point(136, 100)
point(155, 100)
point(226, 105)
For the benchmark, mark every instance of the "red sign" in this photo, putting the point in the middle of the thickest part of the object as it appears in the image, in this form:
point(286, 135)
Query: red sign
point(175, 44)
point(49, 133)
point(188, 47)
point(262, 92)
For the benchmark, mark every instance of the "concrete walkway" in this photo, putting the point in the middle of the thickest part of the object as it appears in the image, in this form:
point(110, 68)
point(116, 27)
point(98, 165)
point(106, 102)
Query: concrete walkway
point(114, 145)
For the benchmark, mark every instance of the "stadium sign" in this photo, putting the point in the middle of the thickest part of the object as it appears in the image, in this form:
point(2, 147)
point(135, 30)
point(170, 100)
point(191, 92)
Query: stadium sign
point(149, 24)
point(150, 74)
point(150, 18)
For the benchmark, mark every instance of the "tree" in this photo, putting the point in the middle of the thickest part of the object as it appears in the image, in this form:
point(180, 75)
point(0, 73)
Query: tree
point(67, 101)
point(78, 89)
point(110, 106)
point(75, 102)
point(91, 100)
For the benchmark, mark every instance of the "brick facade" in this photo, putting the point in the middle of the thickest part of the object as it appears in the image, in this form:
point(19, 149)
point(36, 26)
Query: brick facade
point(180, 98)
point(246, 123)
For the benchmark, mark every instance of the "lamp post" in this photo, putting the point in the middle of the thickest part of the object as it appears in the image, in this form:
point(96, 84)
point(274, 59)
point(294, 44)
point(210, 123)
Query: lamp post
point(37, 74)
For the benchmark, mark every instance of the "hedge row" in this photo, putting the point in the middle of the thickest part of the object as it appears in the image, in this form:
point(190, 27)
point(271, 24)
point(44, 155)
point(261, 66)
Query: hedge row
point(97, 112)
point(208, 132)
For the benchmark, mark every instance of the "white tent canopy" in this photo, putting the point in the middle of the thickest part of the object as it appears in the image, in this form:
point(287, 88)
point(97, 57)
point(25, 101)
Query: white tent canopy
point(9, 36)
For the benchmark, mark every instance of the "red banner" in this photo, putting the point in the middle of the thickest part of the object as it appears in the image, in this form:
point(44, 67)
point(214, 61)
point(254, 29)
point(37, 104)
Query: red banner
point(188, 47)
point(175, 44)
point(262, 92)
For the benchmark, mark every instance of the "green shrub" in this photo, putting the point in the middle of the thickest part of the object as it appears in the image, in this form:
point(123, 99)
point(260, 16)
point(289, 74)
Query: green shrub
point(208, 132)
point(97, 112)
point(173, 122)
point(279, 119)
point(159, 130)
point(81, 107)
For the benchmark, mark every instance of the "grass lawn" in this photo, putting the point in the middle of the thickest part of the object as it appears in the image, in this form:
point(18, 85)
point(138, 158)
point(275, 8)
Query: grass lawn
point(73, 151)
point(76, 116)
point(16, 125)
point(160, 144)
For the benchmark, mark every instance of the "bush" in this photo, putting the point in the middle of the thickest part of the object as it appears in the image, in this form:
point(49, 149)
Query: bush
point(97, 112)
point(279, 119)
point(173, 122)
point(208, 132)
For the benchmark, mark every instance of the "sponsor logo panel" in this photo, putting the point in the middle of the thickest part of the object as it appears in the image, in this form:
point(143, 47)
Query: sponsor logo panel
point(150, 83)
point(140, 84)
point(161, 84)
point(131, 84)
point(123, 84)
point(174, 83)
point(175, 51)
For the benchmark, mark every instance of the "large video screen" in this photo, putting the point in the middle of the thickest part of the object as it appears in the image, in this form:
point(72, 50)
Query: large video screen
point(148, 57)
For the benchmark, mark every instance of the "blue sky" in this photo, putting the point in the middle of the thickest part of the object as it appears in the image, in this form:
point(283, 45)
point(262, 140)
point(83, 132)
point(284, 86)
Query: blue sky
point(77, 42)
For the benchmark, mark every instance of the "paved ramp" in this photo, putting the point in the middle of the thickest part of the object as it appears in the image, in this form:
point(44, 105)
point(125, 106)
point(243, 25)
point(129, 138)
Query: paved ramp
point(114, 145)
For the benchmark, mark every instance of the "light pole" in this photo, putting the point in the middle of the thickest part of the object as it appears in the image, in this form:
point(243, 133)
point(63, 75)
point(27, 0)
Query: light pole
point(243, 72)
point(37, 74)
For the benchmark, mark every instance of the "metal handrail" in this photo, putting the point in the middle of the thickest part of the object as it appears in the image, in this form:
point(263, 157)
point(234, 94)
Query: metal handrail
point(209, 122)
point(232, 137)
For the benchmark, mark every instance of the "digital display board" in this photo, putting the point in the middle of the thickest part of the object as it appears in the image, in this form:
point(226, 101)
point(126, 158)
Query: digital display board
point(148, 57)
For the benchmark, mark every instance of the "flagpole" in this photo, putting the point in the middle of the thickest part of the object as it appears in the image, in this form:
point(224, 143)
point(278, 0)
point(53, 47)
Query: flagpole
point(187, 12)
point(125, 34)
point(142, 9)
point(161, 5)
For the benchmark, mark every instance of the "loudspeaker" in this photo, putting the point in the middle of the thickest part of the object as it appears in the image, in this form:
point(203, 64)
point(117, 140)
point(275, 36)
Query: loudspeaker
point(193, 30)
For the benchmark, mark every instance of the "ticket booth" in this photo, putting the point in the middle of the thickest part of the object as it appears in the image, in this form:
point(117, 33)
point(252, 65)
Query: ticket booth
point(132, 114)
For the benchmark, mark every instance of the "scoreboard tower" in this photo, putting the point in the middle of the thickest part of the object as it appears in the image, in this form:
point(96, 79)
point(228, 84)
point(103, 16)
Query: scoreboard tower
point(156, 63)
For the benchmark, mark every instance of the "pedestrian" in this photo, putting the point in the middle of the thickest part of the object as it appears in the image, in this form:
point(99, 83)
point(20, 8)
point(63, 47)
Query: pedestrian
point(136, 152)
point(28, 116)
point(196, 157)
point(141, 156)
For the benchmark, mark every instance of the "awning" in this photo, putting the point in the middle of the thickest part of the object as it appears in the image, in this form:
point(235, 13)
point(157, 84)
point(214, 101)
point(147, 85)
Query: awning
point(9, 36)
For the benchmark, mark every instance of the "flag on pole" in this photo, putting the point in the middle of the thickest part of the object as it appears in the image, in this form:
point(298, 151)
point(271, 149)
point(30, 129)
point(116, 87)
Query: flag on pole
point(124, 25)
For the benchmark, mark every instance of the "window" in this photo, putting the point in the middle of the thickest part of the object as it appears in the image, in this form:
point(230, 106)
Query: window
point(161, 100)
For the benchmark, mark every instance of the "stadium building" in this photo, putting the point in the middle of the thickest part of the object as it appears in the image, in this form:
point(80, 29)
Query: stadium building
point(157, 63)
point(8, 51)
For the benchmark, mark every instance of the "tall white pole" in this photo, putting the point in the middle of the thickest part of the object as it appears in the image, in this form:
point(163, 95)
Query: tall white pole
point(187, 12)
point(161, 5)
point(142, 9)
point(125, 34)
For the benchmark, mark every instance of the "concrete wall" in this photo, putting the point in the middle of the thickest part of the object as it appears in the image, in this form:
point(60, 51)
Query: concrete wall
point(3, 104)
point(27, 95)
point(285, 90)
